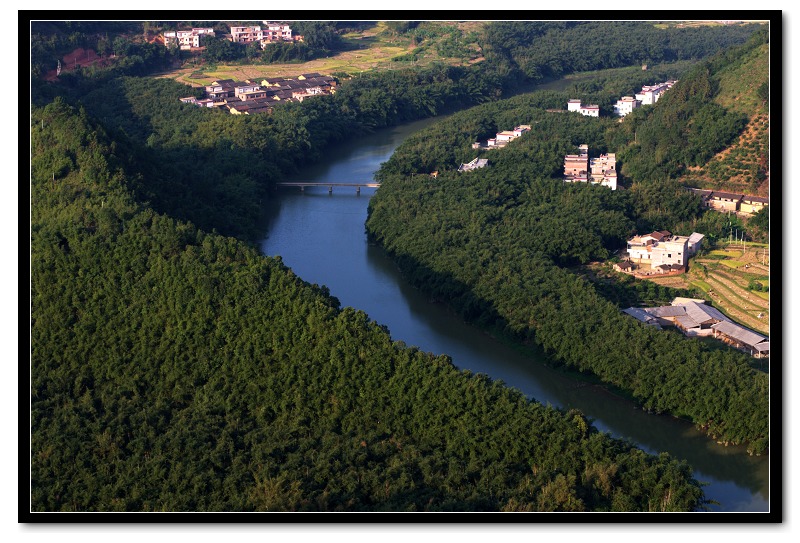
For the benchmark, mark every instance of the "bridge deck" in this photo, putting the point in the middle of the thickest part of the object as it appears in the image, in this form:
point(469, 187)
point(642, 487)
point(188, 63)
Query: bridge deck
point(317, 184)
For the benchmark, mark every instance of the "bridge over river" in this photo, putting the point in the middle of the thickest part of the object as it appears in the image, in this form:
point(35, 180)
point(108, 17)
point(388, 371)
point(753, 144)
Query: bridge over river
point(304, 184)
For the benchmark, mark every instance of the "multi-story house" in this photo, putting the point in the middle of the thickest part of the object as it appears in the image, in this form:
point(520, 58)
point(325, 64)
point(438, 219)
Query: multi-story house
point(270, 33)
point(246, 34)
point(626, 105)
point(604, 170)
point(659, 248)
point(590, 110)
point(275, 32)
point(651, 93)
point(187, 39)
point(599, 171)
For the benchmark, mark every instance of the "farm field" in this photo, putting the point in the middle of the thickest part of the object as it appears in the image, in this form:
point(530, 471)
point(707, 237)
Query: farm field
point(731, 279)
point(371, 49)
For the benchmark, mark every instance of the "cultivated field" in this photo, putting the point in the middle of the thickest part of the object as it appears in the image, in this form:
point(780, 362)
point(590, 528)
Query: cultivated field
point(370, 49)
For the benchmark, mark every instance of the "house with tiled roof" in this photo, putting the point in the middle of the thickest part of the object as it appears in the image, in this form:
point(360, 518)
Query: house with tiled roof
point(752, 204)
point(724, 201)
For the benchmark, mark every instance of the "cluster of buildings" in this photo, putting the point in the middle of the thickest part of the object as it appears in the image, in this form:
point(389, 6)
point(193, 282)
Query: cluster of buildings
point(728, 201)
point(599, 171)
point(501, 139)
point(249, 97)
point(662, 250)
point(271, 32)
point(649, 95)
point(695, 318)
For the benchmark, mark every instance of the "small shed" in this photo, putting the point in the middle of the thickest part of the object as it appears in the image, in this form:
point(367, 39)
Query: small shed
point(625, 266)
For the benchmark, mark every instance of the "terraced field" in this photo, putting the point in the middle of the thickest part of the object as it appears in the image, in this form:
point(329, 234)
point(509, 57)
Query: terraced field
point(728, 277)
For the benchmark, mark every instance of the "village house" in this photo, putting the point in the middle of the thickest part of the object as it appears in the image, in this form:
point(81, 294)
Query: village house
point(695, 243)
point(695, 318)
point(186, 39)
point(591, 110)
point(651, 93)
point(752, 204)
point(270, 33)
point(724, 201)
point(626, 105)
point(599, 171)
point(604, 170)
point(502, 139)
point(660, 249)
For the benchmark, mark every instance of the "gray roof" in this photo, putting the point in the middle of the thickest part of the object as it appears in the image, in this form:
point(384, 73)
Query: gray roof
point(763, 346)
point(687, 322)
point(679, 300)
point(739, 333)
point(695, 237)
point(641, 315)
point(667, 311)
point(704, 313)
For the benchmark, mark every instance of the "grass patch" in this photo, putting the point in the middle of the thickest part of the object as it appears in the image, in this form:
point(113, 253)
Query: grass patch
point(735, 264)
point(764, 295)
point(702, 285)
point(730, 253)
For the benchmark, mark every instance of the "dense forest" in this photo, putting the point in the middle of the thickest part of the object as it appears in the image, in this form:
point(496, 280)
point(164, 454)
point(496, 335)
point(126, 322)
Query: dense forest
point(497, 244)
point(178, 370)
point(551, 49)
point(174, 368)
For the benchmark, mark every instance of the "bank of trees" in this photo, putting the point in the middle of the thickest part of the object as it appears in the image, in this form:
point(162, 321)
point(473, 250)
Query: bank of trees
point(497, 244)
point(552, 49)
point(175, 369)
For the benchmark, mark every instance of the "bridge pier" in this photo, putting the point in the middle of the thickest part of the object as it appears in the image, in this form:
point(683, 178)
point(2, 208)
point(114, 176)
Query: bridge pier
point(358, 190)
point(330, 189)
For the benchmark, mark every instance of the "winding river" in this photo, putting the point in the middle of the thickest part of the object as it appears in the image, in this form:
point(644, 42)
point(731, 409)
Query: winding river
point(321, 236)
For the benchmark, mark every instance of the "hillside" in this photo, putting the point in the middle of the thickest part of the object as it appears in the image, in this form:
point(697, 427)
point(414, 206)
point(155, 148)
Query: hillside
point(743, 166)
point(176, 370)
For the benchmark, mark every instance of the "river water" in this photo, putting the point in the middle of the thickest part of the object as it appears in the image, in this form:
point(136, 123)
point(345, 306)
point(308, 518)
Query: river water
point(321, 236)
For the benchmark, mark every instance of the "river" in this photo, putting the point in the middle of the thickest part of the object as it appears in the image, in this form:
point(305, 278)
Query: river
point(321, 236)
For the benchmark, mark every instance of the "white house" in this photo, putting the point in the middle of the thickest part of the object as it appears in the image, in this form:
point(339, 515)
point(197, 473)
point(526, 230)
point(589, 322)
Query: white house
point(186, 39)
point(626, 105)
point(659, 249)
point(651, 93)
point(573, 105)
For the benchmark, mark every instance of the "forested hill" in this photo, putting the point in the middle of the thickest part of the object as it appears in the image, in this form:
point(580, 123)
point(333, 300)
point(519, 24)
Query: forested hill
point(710, 129)
point(551, 49)
point(498, 243)
point(743, 87)
point(178, 370)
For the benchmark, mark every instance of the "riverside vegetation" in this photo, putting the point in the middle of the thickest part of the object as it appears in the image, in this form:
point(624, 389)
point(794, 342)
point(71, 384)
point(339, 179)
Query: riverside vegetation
point(175, 368)
point(497, 243)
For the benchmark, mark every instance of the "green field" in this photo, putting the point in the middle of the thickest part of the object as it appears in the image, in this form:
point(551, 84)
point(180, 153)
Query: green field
point(729, 278)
